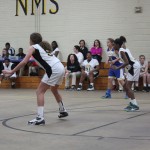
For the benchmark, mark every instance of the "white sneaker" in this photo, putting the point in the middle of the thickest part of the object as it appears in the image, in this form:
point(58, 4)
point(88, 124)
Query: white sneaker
point(90, 88)
point(37, 121)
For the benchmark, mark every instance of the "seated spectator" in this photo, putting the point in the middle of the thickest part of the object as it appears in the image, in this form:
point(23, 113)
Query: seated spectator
point(83, 48)
point(143, 72)
point(78, 54)
point(55, 48)
point(73, 70)
point(10, 50)
point(4, 53)
point(96, 51)
point(90, 69)
point(20, 54)
point(148, 76)
point(7, 65)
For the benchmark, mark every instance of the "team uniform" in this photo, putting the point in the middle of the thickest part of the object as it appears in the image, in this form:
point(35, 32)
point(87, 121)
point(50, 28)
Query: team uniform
point(133, 67)
point(116, 74)
point(54, 70)
point(132, 75)
point(54, 73)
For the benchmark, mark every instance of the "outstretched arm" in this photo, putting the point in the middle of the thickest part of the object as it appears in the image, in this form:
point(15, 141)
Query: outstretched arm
point(21, 64)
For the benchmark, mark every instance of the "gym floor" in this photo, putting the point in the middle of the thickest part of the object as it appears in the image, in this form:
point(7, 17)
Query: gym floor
point(93, 123)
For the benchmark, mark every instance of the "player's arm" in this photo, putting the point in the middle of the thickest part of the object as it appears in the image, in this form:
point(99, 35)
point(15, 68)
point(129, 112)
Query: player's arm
point(126, 62)
point(23, 62)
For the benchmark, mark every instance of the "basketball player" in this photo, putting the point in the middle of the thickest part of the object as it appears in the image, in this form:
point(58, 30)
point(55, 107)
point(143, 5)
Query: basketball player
point(54, 72)
point(133, 67)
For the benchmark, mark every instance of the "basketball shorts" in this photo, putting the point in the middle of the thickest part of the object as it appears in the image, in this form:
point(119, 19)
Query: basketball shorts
point(136, 74)
point(57, 75)
point(118, 74)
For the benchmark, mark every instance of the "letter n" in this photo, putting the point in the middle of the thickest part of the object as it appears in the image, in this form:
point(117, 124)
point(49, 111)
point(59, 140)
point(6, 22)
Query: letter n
point(23, 5)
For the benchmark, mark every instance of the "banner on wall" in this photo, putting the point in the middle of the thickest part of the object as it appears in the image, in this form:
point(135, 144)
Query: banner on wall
point(23, 4)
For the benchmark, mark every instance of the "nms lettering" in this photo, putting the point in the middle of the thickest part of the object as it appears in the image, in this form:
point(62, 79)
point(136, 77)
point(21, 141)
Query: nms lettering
point(35, 3)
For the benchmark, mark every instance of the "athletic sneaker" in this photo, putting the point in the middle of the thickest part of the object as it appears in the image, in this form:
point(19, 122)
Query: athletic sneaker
point(37, 121)
point(79, 88)
point(73, 88)
point(90, 88)
point(145, 89)
point(62, 114)
point(131, 107)
point(107, 96)
point(136, 89)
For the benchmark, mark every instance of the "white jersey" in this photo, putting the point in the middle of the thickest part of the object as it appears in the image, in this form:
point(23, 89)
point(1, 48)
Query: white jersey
point(44, 59)
point(133, 63)
point(9, 67)
point(56, 50)
point(90, 65)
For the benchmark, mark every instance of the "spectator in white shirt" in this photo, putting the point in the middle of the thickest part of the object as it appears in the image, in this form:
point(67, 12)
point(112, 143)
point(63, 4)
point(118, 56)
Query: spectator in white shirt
point(55, 48)
point(78, 54)
point(10, 50)
point(90, 69)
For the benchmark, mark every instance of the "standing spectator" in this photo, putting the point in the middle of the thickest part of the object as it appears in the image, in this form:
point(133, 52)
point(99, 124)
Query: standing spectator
point(143, 73)
point(55, 48)
point(7, 65)
point(72, 70)
point(90, 69)
point(78, 54)
point(10, 50)
point(96, 51)
point(83, 48)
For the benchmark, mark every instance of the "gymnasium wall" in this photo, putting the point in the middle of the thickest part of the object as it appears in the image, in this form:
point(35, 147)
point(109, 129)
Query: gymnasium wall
point(68, 21)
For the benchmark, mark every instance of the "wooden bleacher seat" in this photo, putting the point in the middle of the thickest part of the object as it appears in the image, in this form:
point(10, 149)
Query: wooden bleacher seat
point(100, 82)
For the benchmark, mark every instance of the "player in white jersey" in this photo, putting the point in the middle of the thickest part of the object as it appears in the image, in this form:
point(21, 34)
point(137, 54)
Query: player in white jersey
point(133, 67)
point(54, 72)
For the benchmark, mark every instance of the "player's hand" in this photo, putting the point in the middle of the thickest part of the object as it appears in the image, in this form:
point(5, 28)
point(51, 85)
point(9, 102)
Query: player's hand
point(7, 73)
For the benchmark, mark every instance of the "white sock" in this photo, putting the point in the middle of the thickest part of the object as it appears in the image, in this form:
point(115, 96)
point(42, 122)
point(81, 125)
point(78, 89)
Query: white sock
point(133, 101)
point(40, 110)
point(148, 85)
point(92, 84)
point(61, 106)
point(80, 84)
point(144, 84)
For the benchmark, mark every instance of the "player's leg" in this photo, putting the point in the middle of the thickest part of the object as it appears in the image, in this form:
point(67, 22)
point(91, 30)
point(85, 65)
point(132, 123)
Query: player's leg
point(62, 110)
point(133, 106)
point(42, 88)
point(111, 77)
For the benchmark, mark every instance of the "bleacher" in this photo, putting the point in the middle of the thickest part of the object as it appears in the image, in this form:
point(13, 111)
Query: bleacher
point(100, 83)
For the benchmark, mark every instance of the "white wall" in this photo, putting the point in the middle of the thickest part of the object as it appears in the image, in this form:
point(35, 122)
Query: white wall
point(79, 19)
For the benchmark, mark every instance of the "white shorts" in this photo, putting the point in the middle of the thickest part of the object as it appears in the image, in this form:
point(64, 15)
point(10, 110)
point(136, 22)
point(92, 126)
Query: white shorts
point(136, 70)
point(56, 77)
